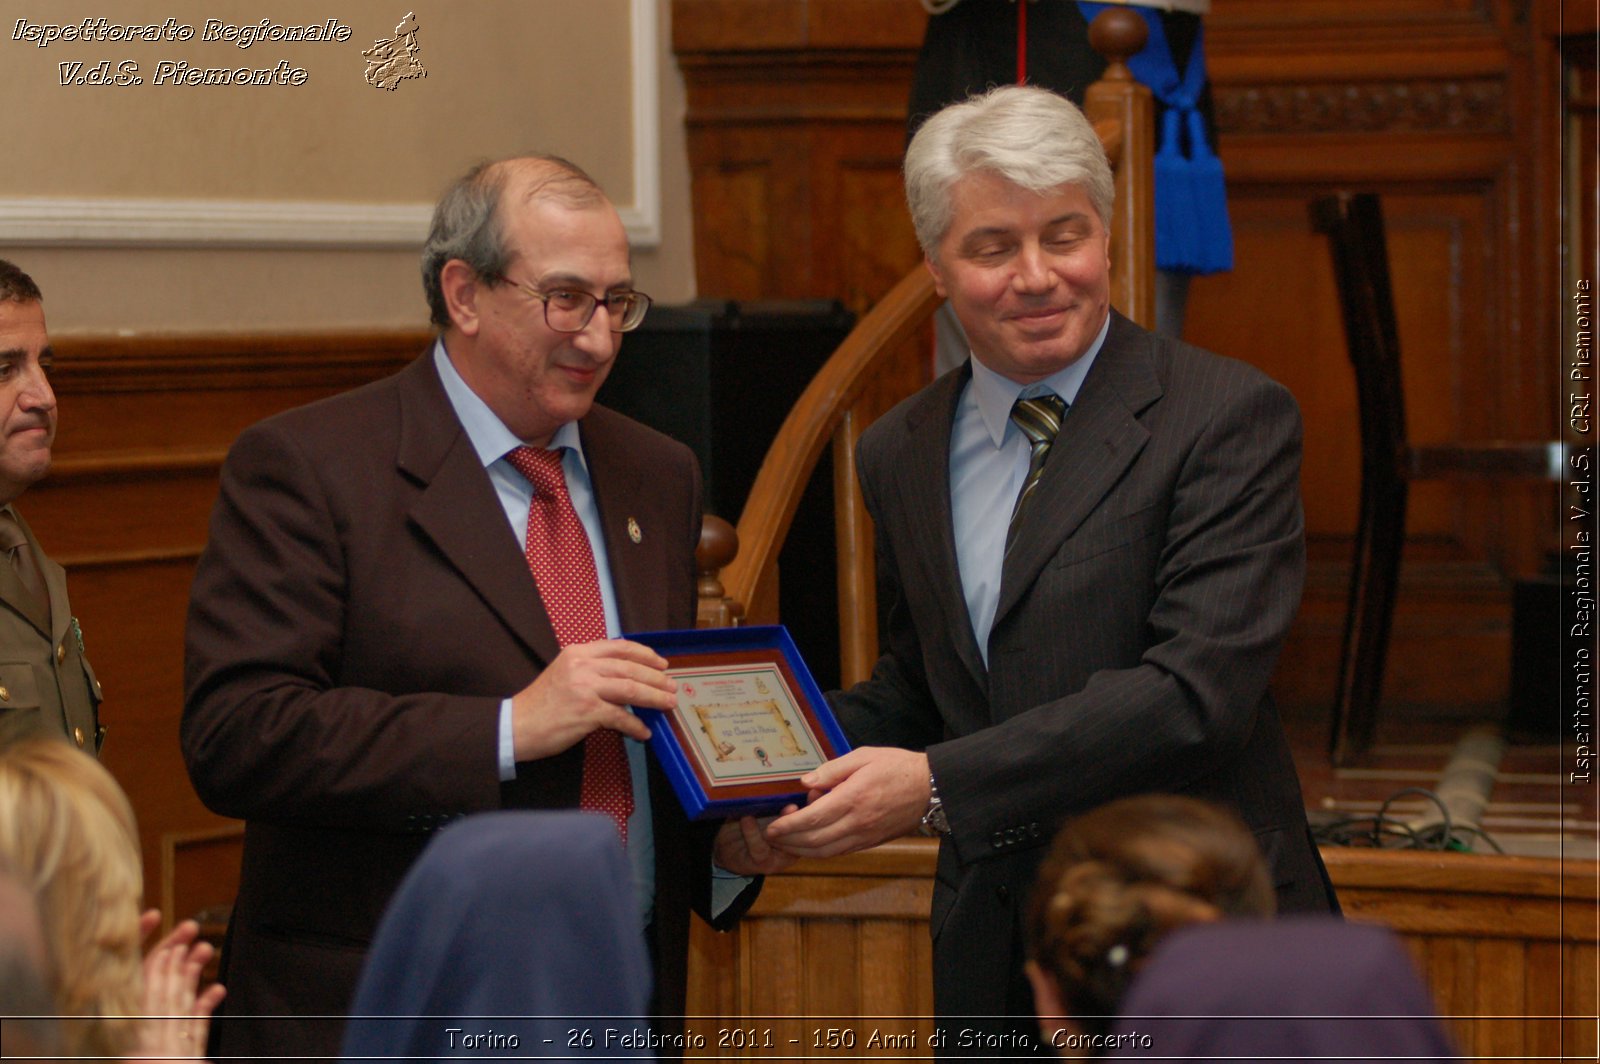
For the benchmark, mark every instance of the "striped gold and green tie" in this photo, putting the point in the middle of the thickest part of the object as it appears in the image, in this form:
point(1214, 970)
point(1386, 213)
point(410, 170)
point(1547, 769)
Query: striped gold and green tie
point(1039, 418)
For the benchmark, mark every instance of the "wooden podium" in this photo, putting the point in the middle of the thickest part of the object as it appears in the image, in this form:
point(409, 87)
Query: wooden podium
point(837, 952)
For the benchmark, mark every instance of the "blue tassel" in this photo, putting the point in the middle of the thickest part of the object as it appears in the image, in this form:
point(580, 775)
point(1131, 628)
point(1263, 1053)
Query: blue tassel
point(1175, 205)
point(1213, 244)
point(1193, 234)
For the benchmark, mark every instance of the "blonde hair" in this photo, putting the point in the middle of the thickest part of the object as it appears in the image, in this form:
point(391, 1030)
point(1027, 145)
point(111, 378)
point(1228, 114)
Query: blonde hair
point(68, 832)
point(1121, 877)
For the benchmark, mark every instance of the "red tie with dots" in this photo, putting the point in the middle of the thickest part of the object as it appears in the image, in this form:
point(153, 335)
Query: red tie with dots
point(562, 563)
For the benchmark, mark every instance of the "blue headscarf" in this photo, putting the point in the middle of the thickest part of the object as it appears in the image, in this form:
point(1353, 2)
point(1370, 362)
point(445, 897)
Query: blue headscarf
point(512, 925)
point(1292, 989)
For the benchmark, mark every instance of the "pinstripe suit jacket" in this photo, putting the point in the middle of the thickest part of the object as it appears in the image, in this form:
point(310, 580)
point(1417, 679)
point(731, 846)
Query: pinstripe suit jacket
point(1140, 617)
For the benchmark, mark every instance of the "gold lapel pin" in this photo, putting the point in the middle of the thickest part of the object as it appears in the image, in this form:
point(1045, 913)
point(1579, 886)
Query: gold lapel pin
point(633, 530)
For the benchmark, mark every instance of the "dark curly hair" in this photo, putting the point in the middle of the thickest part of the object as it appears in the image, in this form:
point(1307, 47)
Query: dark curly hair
point(16, 286)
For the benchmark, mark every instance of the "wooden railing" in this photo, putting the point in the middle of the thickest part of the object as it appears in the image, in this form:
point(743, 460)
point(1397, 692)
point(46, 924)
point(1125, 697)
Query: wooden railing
point(741, 572)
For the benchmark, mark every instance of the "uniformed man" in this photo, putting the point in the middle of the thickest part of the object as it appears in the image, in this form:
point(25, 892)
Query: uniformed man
point(45, 681)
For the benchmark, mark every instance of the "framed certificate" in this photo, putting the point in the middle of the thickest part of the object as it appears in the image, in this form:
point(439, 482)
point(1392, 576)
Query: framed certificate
point(750, 720)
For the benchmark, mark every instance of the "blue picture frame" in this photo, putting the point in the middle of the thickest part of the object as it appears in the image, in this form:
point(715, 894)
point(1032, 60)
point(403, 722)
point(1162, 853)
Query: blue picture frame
point(702, 797)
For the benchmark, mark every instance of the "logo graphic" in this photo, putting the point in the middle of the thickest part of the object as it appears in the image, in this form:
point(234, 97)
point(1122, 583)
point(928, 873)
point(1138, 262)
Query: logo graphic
point(393, 61)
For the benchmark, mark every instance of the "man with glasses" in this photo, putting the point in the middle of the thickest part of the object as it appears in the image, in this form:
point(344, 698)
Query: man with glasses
point(409, 607)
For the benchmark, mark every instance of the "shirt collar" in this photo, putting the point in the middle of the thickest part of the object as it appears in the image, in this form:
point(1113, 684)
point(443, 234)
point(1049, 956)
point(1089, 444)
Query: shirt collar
point(996, 394)
point(487, 433)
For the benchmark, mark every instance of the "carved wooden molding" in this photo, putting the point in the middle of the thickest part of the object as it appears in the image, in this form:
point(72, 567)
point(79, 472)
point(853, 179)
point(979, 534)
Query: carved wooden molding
point(795, 26)
point(200, 362)
point(123, 465)
point(1473, 106)
point(82, 562)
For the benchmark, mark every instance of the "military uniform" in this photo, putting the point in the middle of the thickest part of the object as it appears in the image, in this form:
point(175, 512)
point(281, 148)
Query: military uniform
point(46, 683)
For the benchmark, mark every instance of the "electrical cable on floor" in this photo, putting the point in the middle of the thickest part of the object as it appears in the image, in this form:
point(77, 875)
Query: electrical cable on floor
point(1384, 832)
point(1461, 795)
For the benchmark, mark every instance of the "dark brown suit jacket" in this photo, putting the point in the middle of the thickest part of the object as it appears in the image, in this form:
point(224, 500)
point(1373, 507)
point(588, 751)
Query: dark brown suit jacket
point(1140, 616)
point(359, 613)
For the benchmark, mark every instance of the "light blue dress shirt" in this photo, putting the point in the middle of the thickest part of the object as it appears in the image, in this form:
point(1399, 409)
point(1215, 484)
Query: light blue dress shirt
point(988, 463)
point(492, 441)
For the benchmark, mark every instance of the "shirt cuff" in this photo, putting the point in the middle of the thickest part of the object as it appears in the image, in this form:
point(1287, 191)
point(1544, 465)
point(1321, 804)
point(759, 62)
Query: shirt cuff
point(508, 754)
point(726, 887)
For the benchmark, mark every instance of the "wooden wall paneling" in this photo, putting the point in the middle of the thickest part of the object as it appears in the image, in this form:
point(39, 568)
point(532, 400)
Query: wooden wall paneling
point(1582, 94)
point(837, 946)
point(733, 242)
point(1499, 940)
point(772, 962)
point(892, 952)
point(1579, 967)
point(873, 244)
point(199, 881)
point(1453, 605)
point(1451, 971)
point(830, 973)
point(200, 870)
point(1501, 966)
point(145, 424)
point(1436, 105)
point(808, 98)
point(1544, 994)
point(713, 990)
point(760, 233)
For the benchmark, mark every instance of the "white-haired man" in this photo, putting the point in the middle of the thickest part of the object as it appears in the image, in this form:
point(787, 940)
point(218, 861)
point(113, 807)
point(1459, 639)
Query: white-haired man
point(1093, 544)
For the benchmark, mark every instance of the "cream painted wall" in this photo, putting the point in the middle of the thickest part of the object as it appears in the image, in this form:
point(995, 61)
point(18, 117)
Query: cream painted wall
point(127, 203)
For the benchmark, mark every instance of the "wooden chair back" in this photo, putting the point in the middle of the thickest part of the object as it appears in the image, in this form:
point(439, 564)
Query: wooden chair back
point(1353, 224)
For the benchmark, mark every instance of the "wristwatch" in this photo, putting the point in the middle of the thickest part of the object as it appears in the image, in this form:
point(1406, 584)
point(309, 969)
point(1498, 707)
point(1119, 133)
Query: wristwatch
point(934, 822)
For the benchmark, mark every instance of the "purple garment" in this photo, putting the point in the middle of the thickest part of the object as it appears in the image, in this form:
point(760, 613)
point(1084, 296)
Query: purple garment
point(515, 933)
point(1280, 990)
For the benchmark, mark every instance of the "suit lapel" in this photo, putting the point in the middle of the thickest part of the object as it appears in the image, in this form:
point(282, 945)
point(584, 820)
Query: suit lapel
point(634, 576)
point(1100, 437)
point(924, 492)
point(458, 511)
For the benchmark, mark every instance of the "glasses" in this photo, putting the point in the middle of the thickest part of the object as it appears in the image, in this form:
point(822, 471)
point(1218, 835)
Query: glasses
point(570, 310)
